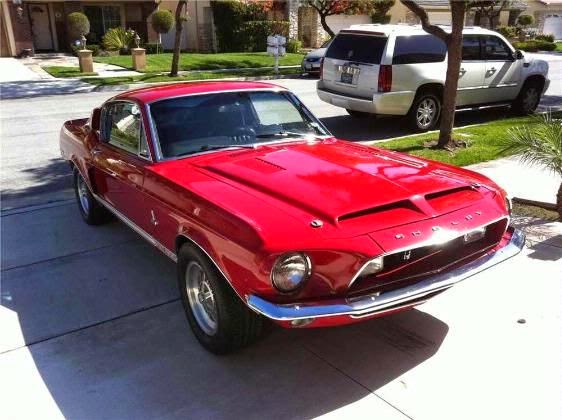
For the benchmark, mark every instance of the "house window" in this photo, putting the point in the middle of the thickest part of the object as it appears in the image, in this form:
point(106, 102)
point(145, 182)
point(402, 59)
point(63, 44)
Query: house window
point(102, 18)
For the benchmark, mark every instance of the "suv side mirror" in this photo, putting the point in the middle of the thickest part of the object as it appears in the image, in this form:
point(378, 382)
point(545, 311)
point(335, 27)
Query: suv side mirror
point(518, 55)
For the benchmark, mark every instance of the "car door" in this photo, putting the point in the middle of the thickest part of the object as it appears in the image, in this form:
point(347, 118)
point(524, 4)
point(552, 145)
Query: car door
point(471, 75)
point(120, 159)
point(503, 71)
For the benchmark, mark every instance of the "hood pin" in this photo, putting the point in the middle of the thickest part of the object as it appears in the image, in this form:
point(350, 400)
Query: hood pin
point(316, 223)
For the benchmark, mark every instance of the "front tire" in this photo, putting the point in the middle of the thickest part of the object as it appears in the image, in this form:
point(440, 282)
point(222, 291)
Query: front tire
point(216, 315)
point(528, 99)
point(425, 112)
point(91, 211)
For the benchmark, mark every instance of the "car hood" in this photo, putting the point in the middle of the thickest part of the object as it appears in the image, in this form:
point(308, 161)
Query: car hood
point(351, 188)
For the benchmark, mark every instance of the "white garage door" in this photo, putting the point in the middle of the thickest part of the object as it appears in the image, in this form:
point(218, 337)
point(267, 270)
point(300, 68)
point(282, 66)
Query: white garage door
point(339, 22)
point(553, 25)
point(440, 18)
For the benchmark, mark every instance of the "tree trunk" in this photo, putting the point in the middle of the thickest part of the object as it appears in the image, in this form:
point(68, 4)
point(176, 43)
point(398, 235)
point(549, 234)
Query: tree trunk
point(559, 202)
point(454, 48)
point(325, 26)
point(177, 41)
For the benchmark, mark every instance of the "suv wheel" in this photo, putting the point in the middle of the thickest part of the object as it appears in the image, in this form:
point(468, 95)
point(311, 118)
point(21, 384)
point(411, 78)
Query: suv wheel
point(425, 112)
point(357, 114)
point(527, 100)
point(221, 322)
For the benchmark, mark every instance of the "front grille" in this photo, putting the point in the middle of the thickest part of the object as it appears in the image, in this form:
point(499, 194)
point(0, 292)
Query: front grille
point(408, 267)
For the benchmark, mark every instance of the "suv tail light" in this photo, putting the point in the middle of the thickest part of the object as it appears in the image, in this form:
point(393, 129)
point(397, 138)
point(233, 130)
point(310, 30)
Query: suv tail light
point(385, 78)
point(321, 68)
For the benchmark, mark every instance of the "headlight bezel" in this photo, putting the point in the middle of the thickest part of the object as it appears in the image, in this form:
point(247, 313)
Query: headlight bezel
point(509, 205)
point(285, 259)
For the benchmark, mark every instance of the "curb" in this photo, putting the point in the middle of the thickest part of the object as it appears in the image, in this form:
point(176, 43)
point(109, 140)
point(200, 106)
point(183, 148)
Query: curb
point(541, 204)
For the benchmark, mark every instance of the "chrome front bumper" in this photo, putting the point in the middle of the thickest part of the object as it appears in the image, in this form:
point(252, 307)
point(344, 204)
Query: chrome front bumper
point(377, 303)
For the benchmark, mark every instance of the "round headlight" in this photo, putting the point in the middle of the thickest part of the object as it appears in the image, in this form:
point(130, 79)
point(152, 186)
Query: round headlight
point(290, 271)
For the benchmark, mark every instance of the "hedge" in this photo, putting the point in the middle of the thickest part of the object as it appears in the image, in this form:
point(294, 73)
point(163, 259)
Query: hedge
point(253, 35)
point(535, 45)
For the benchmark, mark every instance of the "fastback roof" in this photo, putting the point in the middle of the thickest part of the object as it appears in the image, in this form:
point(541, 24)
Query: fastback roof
point(150, 94)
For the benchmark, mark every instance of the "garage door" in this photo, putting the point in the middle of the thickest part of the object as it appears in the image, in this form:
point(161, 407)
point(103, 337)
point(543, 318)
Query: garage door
point(440, 18)
point(553, 25)
point(339, 22)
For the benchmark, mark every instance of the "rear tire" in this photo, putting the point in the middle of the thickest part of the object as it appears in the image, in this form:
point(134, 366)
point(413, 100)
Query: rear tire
point(91, 211)
point(357, 114)
point(221, 322)
point(528, 99)
point(425, 112)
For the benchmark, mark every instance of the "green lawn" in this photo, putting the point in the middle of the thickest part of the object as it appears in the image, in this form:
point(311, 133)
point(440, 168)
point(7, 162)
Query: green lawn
point(188, 61)
point(62, 71)
point(559, 46)
point(155, 77)
point(484, 140)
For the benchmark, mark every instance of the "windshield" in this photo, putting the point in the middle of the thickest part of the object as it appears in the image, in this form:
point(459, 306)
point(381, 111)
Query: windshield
point(198, 123)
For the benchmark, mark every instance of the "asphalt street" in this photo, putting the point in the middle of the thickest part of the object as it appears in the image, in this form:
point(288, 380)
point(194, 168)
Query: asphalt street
point(91, 326)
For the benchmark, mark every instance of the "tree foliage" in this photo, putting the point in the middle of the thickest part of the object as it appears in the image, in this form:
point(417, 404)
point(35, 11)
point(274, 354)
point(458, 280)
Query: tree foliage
point(380, 10)
point(492, 9)
point(327, 8)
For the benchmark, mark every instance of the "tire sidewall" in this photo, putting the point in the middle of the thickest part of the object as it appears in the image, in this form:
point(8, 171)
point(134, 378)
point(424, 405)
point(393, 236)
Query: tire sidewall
point(523, 108)
point(218, 342)
point(414, 111)
point(87, 216)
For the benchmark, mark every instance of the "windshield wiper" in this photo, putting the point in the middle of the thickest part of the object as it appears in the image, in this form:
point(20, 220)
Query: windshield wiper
point(284, 134)
point(208, 148)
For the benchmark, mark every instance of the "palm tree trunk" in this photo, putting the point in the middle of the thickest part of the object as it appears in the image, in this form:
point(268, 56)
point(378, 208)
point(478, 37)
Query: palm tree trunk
point(559, 201)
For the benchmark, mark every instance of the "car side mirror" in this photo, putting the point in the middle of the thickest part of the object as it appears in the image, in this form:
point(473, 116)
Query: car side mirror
point(95, 119)
point(518, 55)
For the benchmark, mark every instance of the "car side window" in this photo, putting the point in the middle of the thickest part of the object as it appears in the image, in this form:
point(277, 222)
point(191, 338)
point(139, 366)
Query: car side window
point(471, 48)
point(495, 49)
point(123, 128)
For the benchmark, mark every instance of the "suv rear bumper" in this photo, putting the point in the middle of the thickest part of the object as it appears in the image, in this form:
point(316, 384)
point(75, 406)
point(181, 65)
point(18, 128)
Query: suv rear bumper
point(371, 305)
point(391, 103)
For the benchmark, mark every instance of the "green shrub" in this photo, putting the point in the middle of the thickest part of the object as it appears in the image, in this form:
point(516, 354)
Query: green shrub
point(293, 46)
point(545, 37)
point(253, 35)
point(507, 31)
point(78, 25)
point(118, 39)
point(535, 45)
point(153, 47)
point(525, 20)
point(162, 21)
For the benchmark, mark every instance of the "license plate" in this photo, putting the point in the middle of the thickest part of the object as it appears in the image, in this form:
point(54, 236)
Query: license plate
point(347, 78)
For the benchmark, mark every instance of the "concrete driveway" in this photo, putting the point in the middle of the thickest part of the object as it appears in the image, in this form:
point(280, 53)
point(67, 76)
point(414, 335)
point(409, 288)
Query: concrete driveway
point(91, 326)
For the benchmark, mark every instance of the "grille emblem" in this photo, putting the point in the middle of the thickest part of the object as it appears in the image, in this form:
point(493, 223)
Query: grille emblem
point(407, 255)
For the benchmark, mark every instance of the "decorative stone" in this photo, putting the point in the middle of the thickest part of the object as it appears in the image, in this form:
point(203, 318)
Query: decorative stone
point(139, 58)
point(85, 61)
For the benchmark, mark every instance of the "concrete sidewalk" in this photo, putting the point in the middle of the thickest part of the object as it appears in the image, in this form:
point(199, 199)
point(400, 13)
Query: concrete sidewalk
point(12, 70)
point(521, 181)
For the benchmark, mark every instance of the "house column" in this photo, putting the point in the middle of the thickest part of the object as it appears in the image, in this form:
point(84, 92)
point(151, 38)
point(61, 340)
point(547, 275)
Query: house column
point(293, 16)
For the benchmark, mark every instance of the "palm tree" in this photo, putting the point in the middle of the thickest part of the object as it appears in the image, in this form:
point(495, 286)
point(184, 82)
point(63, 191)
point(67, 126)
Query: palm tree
point(540, 144)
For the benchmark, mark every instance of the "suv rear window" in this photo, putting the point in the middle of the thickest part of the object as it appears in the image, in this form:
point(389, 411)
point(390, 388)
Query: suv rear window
point(355, 47)
point(418, 49)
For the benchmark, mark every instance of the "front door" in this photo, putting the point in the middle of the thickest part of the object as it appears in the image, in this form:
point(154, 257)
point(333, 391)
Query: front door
point(120, 161)
point(41, 27)
point(503, 71)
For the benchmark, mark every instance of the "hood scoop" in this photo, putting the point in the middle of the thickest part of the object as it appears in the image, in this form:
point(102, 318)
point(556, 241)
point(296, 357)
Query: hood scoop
point(454, 198)
point(399, 207)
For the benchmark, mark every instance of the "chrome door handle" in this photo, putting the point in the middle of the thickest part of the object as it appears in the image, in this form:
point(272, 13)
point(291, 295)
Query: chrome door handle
point(493, 70)
point(462, 71)
point(96, 152)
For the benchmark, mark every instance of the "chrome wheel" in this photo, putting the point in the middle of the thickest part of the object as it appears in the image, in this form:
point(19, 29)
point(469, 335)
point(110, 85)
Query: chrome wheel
point(426, 113)
point(201, 298)
point(530, 99)
point(83, 195)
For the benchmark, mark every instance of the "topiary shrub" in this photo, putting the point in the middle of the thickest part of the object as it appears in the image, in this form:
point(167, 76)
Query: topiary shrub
point(293, 46)
point(545, 37)
point(525, 20)
point(78, 25)
point(162, 21)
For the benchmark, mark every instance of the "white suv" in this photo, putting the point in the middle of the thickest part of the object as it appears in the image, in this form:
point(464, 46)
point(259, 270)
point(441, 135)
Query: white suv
point(400, 70)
